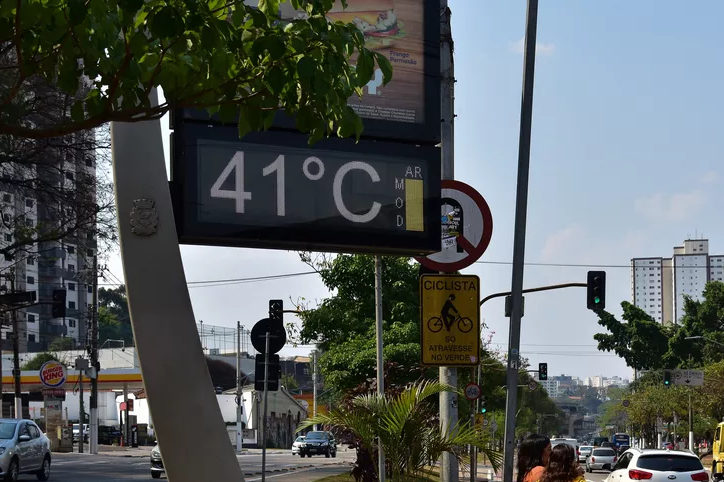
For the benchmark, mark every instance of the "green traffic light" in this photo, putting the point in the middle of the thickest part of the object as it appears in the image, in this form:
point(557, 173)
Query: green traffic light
point(483, 410)
point(597, 300)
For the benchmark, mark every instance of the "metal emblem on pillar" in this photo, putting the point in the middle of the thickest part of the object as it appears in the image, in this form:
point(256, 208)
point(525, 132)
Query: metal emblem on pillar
point(144, 217)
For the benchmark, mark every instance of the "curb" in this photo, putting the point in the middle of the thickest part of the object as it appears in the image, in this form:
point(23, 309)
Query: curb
point(298, 467)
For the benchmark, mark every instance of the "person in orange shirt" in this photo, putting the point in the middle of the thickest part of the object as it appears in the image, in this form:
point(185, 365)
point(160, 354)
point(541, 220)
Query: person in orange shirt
point(532, 457)
point(563, 466)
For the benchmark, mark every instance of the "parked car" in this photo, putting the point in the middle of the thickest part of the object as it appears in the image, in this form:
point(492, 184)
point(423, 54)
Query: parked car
point(76, 432)
point(297, 443)
point(601, 458)
point(653, 465)
point(583, 452)
point(24, 449)
point(108, 435)
point(156, 463)
point(318, 443)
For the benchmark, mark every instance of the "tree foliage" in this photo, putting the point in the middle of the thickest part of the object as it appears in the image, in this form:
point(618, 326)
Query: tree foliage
point(222, 374)
point(220, 55)
point(38, 360)
point(405, 427)
point(114, 318)
point(647, 345)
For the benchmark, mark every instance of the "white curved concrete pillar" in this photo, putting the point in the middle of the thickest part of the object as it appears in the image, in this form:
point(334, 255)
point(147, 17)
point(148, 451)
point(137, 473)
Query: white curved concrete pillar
point(190, 430)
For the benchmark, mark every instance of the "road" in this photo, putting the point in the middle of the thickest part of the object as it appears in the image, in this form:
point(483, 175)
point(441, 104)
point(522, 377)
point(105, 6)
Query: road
point(596, 476)
point(281, 467)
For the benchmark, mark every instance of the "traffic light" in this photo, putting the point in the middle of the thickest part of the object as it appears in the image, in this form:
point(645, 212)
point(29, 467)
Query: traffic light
point(274, 373)
point(276, 310)
point(483, 408)
point(667, 378)
point(542, 371)
point(596, 290)
point(58, 308)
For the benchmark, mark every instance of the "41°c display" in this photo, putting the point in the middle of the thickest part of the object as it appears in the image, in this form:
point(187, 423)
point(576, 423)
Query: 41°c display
point(371, 197)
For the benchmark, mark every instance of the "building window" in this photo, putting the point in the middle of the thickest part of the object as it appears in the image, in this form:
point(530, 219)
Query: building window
point(29, 203)
point(7, 198)
point(9, 335)
point(71, 323)
point(71, 305)
point(31, 280)
point(71, 249)
point(31, 261)
point(71, 267)
point(90, 252)
point(31, 338)
point(69, 176)
point(71, 286)
point(8, 237)
point(90, 289)
point(29, 222)
point(31, 318)
point(89, 162)
point(8, 257)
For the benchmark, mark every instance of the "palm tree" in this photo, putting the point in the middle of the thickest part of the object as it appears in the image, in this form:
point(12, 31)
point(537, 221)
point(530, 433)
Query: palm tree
point(406, 428)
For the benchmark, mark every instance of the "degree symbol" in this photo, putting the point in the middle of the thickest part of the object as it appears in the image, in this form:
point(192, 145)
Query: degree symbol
point(320, 168)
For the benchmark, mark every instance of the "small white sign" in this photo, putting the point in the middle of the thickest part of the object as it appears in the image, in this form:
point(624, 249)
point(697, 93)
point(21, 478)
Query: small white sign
point(493, 426)
point(691, 378)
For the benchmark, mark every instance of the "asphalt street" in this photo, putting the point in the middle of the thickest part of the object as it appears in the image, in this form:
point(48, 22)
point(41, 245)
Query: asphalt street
point(281, 467)
point(596, 476)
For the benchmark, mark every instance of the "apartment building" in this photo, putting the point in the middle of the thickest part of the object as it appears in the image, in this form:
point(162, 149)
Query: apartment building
point(658, 285)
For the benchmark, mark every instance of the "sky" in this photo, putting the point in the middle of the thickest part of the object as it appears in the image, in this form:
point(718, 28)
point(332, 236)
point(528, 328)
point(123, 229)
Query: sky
point(626, 161)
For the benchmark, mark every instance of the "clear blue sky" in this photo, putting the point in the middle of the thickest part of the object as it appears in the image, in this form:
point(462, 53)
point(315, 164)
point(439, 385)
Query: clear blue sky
point(627, 106)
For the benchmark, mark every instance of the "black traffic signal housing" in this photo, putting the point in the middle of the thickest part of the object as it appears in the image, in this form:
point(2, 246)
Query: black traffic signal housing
point(596, 290)
point(483, 407)
point(275, 369)
point(542, 371)
point(58, 308)
point(668, 381)
point(276, 310)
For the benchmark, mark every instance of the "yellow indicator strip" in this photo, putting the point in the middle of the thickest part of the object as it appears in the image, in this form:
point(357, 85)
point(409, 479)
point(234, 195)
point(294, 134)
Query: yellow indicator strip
point(414, 200)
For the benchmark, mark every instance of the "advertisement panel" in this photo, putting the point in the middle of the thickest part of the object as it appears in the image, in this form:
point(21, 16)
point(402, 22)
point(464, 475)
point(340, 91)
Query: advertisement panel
point(407, 32)
point(53, 374)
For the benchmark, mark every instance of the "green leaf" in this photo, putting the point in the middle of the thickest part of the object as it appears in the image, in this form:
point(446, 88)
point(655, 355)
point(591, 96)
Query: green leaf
point(243, 126)
point(305, 119)
point(228, 112)
point(77, 113)
point(365, 67)
point(209, 38)
point(277, 80)
point(163, 24)
point(306, 68)
point(385, 66)
point(276, 46)
point(130, 6)
point(269, 7)
point(76, 12)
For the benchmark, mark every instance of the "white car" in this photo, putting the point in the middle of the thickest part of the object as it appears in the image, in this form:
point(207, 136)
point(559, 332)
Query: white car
point(601, 458)
point(656, 465)
point(584, 451)
point(297, 443)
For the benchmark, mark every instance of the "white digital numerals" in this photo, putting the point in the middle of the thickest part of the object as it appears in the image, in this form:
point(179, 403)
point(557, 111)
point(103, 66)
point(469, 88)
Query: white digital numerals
point(236, 165)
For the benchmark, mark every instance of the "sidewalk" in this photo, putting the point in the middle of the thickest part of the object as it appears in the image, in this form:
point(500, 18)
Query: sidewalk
point(116, 451)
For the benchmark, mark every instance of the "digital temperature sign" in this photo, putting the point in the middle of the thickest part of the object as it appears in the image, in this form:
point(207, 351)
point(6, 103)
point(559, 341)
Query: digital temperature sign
point(272, 190)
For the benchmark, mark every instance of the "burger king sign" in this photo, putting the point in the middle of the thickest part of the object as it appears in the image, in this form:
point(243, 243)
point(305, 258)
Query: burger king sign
point(52, 374)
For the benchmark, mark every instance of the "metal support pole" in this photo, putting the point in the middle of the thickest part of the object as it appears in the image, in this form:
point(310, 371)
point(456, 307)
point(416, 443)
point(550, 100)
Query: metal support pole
point(314, 386)
point(16, 355)
point(473, 458)
point(448, 375)
point(266, 396)
point(691, 424)
point(126, 423)
point(81, 411)
point(239, 391)
point(95, 366)
point(521, 207)
point(380, 358)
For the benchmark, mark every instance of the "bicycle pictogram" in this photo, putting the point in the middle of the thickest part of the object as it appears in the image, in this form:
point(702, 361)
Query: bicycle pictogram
point(449, 316)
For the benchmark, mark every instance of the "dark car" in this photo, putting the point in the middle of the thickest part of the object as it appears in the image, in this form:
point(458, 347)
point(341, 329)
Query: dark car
point(318, 443)
point(108, 435)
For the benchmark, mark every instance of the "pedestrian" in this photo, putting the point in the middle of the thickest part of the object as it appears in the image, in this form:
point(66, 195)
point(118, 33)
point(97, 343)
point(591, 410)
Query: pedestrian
point(563, 466)
point(532, 457)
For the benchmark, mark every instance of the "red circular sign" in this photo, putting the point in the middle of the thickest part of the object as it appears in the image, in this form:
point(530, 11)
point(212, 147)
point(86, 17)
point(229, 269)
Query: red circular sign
point(472, 391)
point(474, 252)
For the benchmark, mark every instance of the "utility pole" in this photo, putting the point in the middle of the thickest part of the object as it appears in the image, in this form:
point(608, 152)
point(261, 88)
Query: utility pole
point(448, 400)
point(239, 390)
point(81, 410)
point(95, 366)
point(266, 404)
point(380, 358)
point(16, 355)
point(521, 208)
point(314, 386)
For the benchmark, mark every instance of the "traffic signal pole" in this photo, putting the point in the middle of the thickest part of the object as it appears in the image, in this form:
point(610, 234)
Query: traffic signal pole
point(521, 208)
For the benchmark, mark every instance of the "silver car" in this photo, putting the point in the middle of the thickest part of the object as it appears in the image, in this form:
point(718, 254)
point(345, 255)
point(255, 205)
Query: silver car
point(24, 449)
point(601, 458)
point(583, 452)
point(297, 444)
point(156, 463)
